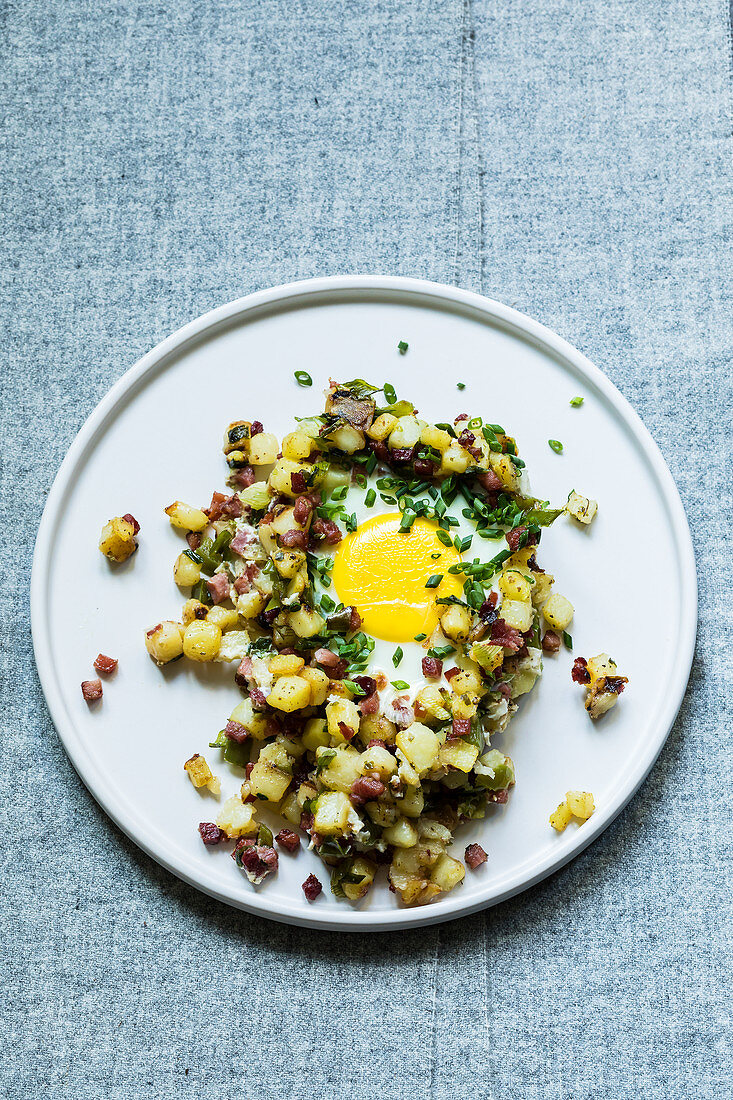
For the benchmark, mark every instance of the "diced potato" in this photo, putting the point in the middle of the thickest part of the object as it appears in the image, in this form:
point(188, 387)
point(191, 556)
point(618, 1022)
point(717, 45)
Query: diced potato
point(306, 622)
point(420, 746)
point(186, 572)
point(406, 432)
point(341, 710)
point(164, 642)
point(237, 818)
point(299, 582)
point(252, 720)
point(520, 560)
point(263, 449)
point(375, 727)
point(447, 873)
point(290, 693)
point(580, 804)
point(431, 702)
point(382, 426)
point(193, 609)
point(558, 612)
point(333, 815)
point(341, 769)
point(602, 665)
point(406, 772)
point(467, 682)
point(382, 814)
point(200, 773)
point(234, 645)
point(410, 871)
point(504, 469)
point(516, 614)
point(602, 696)
point(464, 706)
point(561, 818)
point(284, 521)
point(402, 834)
point(290, 809)
point(319, 682)
point(581, 508)
point(542, 588)
point(455, 622)
point(367, 870)
point(455, 459)
point(347, 439)
point(513, 585)
point(288, 562)
point(256, 496)
point(185, 517)
point(117, 540)
point(412, 802)
point(486, 655)
point(315, 734)
point(201, 640)
point(280, 480)
point(436, 438)
point(249, 604)
point(297, 446)
point(459, 754)
point(226, 618)
point(269, 779)
point(287, 664)
point(429, 828)
point(380, 760)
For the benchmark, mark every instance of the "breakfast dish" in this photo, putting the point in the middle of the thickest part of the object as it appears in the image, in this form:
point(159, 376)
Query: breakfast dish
point(374, 579)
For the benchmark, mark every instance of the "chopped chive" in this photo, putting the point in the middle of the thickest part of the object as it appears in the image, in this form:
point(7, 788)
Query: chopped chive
point(420, 637)
point(477, 422)
point(361, 481)
point(462, 545)
point(441, 651)
point(459, 567)
point(555, 445)
point(371, 464)
point(434, 581)
point(370, 498)
point(401, 685)
point(408, 518)
point(355, 689)
point(303, 378)
point(339, 492)
point(519, 462)
point(436, 556)
point(389, 394)
point(576, 402)
point(461, 385)
point(327, 603)
point(350, 522)
point(567, 639)
point(443, 537)
point(397, 656)
point(497, 428)
point(402, 347)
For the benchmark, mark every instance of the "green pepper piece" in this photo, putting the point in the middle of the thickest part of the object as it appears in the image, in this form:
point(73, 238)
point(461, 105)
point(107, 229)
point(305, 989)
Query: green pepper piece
point(236, 754)
point(265, 837)
point(201, 593)
point(221, 543)
point(209, 560)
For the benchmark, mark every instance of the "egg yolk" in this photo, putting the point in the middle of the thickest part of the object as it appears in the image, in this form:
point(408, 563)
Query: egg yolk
point(382, 572)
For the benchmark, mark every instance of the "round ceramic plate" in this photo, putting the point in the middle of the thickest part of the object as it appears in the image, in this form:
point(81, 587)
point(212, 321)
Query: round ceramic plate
point(156, 437)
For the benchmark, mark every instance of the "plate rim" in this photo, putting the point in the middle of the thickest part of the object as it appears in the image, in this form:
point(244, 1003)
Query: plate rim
point(341, 286)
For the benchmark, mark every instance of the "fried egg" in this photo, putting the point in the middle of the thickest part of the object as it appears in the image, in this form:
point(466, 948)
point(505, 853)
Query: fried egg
point(383, 573)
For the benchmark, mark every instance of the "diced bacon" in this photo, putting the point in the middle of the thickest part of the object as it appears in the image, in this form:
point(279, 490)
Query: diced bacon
point(256, 428)
point(302, 509)
point(325, 531)
point(580, 673)
point(475, 856)
point(214, 509)
point(249, 768)
point(326, 658)
point(315, 498)
point(243, 477)
point(425, 467)
point(616, 683)
point(379, 449)
point(289, 840)
point(91, 690)
point(376, 741)
point(402, 455)
point(244, 671)
point(211, 833)
point(242, 584)
point(105, 664)
point(514, 538)
point(551, 641)
point(367, 683)
point(499, 797)
point(297, 482)
point(294, 538)
point(488, 480)
point(451, 672)
point(346, 732)
point(236, 732)
point(194, 539)
point(306, 821)
point(431, 666)
point(461, 727)
point(257, 697)
point(504, 690)
point(369, 704)
point(487, 611)
point(131, 519)
point(258, 860)
point(355, 619)
point(461, 416)
point(364, 789)
point(218, 587)
point(242, 540)
point(506, 636)
point(467, 440)
point(312, 888)
point(399, 711)
point(232, 506)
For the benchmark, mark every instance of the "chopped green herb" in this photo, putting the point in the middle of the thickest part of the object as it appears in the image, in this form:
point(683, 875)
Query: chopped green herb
point(437, 554)
point(434, 580)
point(443, 537)
point(408, 518)
point(327, 603)
point(397, 656)
point(567, 640)
point(324, 759)
point(370, 498)
point(576, 402)
point(497, 428)
point(402, 347)
point(420, 637)
point(401, 685)
point(555, 445)
point(350, 522)
point(355, 689)
point(461, 385)
point(389, 394)
point(441, 651)
point(462, 545)
point(303, 378)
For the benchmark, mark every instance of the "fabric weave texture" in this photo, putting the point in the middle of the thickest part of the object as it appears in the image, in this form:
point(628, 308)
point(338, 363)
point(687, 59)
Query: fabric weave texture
point(573, 160)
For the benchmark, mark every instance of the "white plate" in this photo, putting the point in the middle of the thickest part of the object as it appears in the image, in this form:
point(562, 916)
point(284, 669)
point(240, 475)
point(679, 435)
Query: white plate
point(156, 437)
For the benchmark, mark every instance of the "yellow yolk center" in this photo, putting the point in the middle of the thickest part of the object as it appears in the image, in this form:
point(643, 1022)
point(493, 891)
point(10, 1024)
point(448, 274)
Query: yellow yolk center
point(382, 572)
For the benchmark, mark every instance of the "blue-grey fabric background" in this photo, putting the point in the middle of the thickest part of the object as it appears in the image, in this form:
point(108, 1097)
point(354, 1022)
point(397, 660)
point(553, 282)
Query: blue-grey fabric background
point(572, 158)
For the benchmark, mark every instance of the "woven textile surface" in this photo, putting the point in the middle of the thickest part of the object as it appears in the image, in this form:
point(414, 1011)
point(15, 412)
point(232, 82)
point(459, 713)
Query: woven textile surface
point(572, 159)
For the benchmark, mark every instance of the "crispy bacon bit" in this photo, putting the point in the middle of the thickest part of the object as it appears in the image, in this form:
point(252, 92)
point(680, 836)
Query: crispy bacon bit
point(211, 833)
point(244, 671)
point(402, 455)
point(326, 658)
point(551, 641)
point(214, 509)
point(105, 664)
point(257, 697)
point(133, 521)
point(232, 506)
point(326, 531)
point(236, 732)
point(499, 797)
point(462, 416)
point(367, 683)
point(431, 666)
point(91, 690)
point(532, 564)
point(369, 704)
point(514, 538)
point(461, 727)
point(379, 449)
point(425, 467)
point(312, 888)
point(580, 673)
point(243, 477)
point(249, 768)
point(289, 840)
point(297, 482)
point(267, 618)
point(364, 789)
point(467, 440)
point(294, 538)
point(355, 620)
point(256, 428)
point(475, 856)
point(376, 741)
point(346, 732)
point(302, 509)
point(306, 821)
point(451, 672)
point(504, 690)
point(257, 860)
point(487, 611)
point(507, 636)
point(218, 587)
point(616, 683)
point(193, 538)
point(488, 480)
point(241, 541)
point(242, 584)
